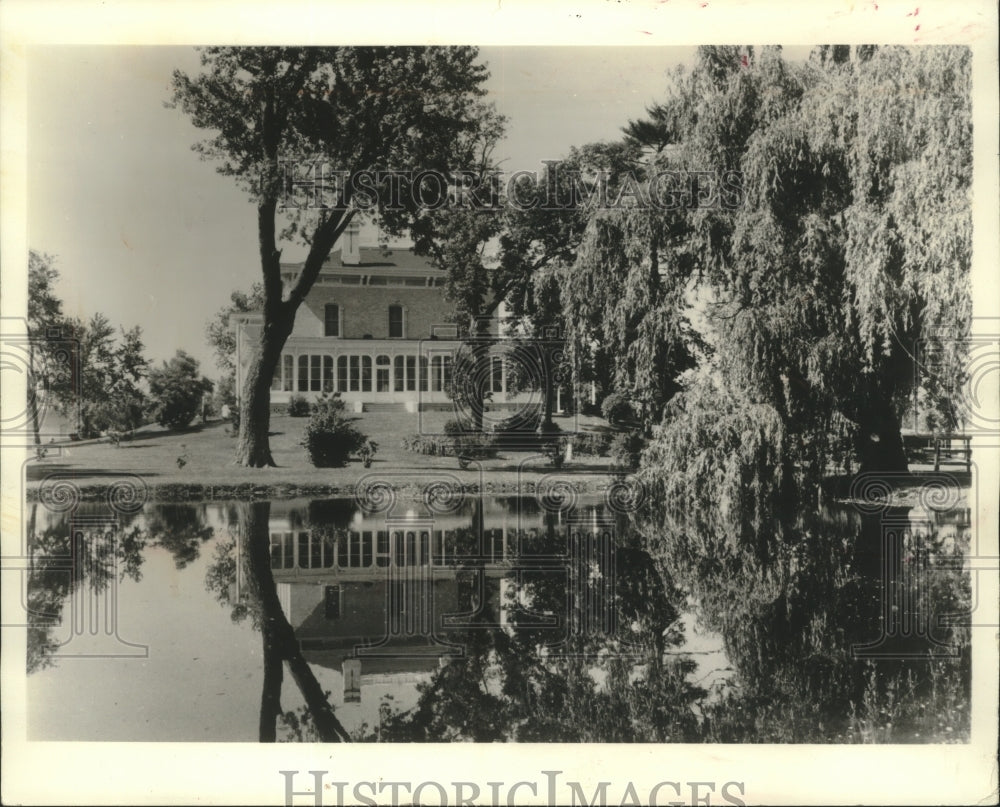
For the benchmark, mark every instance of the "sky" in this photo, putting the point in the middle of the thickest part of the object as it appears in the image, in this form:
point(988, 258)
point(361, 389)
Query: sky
point(147, 233)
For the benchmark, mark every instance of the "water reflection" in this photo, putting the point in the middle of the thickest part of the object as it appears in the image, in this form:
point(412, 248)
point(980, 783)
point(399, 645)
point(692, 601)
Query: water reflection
point(854, 628)
point(489, 618)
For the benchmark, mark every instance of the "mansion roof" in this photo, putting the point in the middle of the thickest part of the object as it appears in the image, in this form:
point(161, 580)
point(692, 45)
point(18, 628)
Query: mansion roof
point(392, 259)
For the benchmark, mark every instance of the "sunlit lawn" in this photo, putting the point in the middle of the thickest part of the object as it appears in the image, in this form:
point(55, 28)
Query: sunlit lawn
point(203, 454)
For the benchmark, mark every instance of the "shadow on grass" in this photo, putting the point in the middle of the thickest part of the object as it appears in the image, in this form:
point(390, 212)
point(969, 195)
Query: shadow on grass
point(35, 473)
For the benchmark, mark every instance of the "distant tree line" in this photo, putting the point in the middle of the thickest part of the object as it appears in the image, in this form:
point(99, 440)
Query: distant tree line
point(96, 376)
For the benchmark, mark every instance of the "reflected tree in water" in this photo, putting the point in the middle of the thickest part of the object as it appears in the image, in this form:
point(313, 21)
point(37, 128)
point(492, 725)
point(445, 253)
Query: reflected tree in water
point(181, 529)
point(61, 560)
point(518, 680)
point(795, 624)
point(262, 606)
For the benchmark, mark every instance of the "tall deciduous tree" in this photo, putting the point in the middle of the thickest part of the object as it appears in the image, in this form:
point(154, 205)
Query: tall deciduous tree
point(49, 376)
point(353, 111)
point(177, 389)
point(103, 388)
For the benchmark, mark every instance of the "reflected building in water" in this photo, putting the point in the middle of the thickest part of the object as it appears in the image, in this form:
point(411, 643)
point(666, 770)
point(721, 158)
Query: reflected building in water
point(383, 597)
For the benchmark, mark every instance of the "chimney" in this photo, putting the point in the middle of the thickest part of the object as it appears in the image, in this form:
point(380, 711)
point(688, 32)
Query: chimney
point(350, 246)
point(352, 680)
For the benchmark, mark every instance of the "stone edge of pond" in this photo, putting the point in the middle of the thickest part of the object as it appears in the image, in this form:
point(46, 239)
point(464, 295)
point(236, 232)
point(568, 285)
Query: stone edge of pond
point(251, 491)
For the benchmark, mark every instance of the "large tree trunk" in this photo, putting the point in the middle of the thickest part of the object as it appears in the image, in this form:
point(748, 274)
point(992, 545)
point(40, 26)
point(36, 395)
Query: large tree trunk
point(270, 695)
point(482, 372)
point(880, 443)
point(253, 448)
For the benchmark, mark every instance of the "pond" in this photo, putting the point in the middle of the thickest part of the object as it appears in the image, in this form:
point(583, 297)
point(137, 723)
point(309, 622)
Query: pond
point(488, 618)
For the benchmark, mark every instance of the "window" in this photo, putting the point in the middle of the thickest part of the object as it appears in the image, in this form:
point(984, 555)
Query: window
point(284, 374)
point(395, 322)
point(355, 373)
point(366, 548)
point(315, 550)
point(436, 385)
point(331, 602)
point(398, 549)
point(303, 373)
point(315, 373)
point(356, 543)
point(411, 373)
point(382, 548)
point(497, 374)
point(331, 324)
point(382, 373)
point(423, 373)
point(342, 373)
point(282, 550)
point(366, 373)
point(328, 374)
point(440, 373)
point(399, 374)
point(405, 373)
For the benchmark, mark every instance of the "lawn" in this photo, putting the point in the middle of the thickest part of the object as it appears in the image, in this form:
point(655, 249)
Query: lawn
point(198, 462)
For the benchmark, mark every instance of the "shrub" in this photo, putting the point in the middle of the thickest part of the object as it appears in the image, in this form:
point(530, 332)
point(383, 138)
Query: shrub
point(367, 452)
point(592, 444)
point(617, 409)
point(625, 449)
point(468, 447)
point(176, 391)
point(328, 403)
point(457, 426)
point(298, 406)
point(475, 446)
point(465, 442)
point(331, 438)
point(234, 418)
point(555, 450)
point(429, 444)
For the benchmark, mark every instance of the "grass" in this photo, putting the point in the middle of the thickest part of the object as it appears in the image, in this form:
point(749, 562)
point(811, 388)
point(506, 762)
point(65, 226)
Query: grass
point(201, 457)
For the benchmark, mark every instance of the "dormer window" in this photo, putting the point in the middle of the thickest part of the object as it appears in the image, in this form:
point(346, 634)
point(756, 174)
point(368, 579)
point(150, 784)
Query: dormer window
point(396, 324)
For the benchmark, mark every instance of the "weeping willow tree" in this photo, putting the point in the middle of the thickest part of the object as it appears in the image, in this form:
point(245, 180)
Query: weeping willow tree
point(625, 304)
point(850, 255)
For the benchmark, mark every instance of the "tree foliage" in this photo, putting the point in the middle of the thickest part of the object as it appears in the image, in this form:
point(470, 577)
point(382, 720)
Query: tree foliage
point(176, 390)
point(50, 371)
point(90, 371)
point(219, 330)
point(850, 256)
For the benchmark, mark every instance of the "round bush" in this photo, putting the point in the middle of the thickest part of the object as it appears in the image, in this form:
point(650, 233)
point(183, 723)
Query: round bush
point(330, 439)
point(298, 406)
point(626, 448)
point(617, 409)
